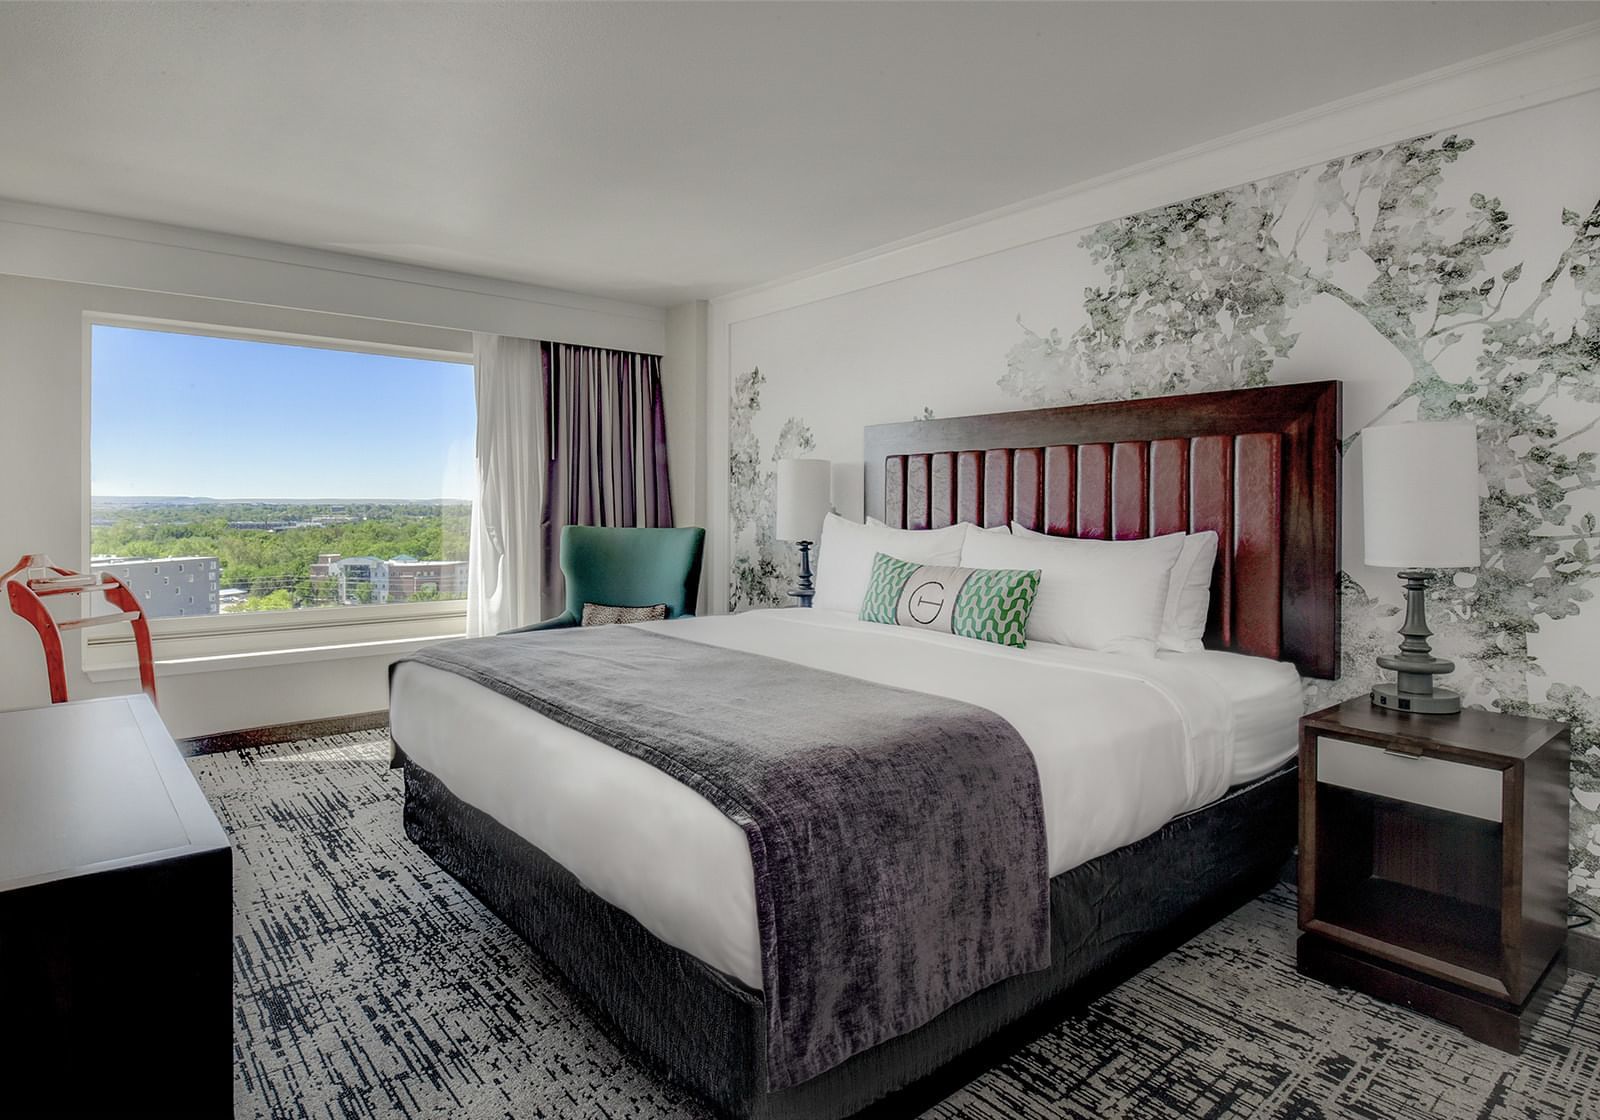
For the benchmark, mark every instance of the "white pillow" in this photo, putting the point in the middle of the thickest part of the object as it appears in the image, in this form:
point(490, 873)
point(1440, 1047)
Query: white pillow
point(1183, 627)
point(1102, 595)
point(971, 528)
point(1183, 621)
point(845, 552)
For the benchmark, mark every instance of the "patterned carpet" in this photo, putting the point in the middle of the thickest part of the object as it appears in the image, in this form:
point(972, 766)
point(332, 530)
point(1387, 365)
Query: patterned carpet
point(368, 984)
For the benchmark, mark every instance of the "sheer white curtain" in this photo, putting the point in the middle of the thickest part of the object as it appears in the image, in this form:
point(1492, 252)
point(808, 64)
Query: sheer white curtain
point(504, 567)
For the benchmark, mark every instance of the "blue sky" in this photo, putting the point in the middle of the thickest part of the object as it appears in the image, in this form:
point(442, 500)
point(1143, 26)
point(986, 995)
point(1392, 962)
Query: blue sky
point(180, 414)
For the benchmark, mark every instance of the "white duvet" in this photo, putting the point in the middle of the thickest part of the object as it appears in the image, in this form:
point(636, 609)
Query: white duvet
point(1122, 744)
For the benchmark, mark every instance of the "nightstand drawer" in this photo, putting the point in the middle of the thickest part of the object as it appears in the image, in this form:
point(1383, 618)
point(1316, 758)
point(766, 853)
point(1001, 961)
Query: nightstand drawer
point(1453, 786)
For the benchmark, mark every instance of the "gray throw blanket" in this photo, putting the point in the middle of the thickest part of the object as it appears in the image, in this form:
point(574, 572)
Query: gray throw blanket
point(898, 837)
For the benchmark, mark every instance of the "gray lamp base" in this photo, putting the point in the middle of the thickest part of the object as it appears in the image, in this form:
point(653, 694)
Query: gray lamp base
point(1415, 667)
point(807, 589)
point(1440, 702)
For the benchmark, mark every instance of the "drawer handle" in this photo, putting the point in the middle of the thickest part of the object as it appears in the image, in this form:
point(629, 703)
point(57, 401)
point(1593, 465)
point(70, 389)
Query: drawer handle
point(1404, 750)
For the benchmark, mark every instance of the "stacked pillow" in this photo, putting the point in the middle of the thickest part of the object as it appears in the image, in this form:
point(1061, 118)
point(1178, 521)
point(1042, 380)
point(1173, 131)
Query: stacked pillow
point(1101, 595)
point(1130, 596)
point(1188, 597)
point(846, 552)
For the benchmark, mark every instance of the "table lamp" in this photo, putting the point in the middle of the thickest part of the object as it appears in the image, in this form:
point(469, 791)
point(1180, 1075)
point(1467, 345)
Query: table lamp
point(1420, 511)
point(804, 491)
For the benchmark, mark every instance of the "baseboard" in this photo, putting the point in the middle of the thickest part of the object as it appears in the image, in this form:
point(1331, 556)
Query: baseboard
point(282, 733)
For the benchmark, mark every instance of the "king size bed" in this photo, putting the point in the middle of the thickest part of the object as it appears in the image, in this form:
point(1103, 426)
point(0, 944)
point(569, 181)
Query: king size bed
point(801, 862)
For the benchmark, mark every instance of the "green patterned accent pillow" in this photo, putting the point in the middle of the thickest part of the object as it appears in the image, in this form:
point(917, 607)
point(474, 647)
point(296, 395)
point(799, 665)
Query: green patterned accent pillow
point(989, 604)
point(884, 586)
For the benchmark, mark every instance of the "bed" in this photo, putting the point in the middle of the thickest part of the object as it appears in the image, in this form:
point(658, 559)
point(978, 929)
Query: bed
point(1164, 787)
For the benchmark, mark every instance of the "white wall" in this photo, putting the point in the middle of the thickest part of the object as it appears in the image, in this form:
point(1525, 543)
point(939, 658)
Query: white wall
point(158, 272)
point(684, 372)
point(683, 384)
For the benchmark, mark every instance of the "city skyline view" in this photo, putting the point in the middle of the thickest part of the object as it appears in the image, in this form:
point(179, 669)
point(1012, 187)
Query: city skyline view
point(275, 422)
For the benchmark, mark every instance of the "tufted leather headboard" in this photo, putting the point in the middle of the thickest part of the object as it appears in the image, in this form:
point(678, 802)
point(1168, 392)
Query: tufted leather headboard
point(1260, 466)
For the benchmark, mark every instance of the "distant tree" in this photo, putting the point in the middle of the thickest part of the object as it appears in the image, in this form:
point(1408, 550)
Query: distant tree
point(279, 600)
point(261, 561)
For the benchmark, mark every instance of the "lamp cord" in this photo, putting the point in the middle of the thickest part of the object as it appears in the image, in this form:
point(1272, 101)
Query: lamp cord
point(1578, 921)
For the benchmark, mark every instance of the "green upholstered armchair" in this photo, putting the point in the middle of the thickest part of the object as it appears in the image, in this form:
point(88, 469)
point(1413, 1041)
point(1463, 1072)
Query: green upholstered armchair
point(627, 568)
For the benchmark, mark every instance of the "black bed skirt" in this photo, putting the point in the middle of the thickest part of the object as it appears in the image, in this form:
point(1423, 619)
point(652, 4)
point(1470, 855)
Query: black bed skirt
point(706, 1031)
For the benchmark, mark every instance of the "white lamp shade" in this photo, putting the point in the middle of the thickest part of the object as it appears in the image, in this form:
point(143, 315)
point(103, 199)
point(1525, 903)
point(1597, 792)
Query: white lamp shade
point(1419, 486)
point(805, 492)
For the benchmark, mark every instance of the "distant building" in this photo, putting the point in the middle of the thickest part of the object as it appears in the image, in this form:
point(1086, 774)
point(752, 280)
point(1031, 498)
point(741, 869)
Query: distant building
point(322, 521)
point(176, 587)
point(407, 577)
point(390, 581)
point(357, 572)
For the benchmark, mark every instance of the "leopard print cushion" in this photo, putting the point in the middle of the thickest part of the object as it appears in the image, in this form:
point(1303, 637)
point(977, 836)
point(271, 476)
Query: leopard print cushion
point(598, 614)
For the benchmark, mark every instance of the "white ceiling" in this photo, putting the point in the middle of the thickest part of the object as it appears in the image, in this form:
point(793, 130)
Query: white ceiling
point(659, 152)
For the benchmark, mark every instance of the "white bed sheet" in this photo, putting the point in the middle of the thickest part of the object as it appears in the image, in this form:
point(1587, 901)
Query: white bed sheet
point(1122, 744)
point(1267, 698)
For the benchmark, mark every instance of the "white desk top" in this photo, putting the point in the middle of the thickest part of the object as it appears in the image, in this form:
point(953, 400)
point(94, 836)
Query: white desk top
point(93, 785)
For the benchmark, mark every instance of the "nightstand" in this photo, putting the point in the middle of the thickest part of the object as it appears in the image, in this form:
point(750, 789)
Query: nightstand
point(1433, 861)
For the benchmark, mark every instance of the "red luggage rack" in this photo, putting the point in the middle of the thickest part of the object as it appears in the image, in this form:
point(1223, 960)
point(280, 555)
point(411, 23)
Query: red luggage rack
point(35, 578)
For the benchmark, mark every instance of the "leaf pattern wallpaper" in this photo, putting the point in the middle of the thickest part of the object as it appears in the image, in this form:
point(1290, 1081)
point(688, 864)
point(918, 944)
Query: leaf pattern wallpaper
point(766, 568)
point(1455, 275)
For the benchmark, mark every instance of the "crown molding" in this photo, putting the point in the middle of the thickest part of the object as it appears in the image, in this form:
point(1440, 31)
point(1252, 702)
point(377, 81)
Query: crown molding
point(1536, 72)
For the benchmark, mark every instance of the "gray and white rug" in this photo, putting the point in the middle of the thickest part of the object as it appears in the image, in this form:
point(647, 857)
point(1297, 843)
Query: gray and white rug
point(369, 984)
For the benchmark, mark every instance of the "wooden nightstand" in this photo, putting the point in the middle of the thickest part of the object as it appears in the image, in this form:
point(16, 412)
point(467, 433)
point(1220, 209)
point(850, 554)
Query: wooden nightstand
point(1433, 861)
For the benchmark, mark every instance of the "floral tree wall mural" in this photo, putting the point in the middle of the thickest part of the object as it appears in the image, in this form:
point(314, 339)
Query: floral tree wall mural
point(1395, 254)
point(765, 567)
point(1200, 296)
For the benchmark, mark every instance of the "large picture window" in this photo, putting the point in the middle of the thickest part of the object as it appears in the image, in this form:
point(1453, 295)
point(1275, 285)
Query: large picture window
point(237, 475)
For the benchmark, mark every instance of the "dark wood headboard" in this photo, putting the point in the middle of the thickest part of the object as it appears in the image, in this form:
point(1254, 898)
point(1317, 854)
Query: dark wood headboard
point(1260, 466)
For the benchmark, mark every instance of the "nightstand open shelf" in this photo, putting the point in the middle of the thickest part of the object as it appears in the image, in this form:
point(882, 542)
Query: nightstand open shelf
point(1431, 932)
point(1433, 860)
point(1419, 883)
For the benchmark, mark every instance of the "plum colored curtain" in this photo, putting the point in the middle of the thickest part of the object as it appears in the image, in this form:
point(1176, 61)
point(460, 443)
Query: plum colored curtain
point(606, 448)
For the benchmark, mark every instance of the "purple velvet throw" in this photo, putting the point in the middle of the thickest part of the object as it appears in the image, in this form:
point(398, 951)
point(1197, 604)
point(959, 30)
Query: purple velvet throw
point(897, 837)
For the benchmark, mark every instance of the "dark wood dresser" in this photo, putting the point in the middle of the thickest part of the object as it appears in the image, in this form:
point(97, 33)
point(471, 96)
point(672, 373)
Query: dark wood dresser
point(116, 927)
point(1433, 861)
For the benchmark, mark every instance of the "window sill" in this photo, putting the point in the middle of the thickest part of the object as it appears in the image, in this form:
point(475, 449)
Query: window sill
point(117, 660)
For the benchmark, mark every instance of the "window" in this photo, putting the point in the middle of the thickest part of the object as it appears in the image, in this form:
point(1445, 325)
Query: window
point(256, 476)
